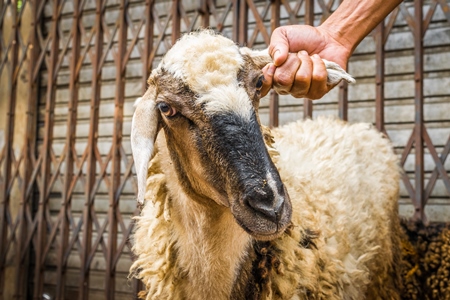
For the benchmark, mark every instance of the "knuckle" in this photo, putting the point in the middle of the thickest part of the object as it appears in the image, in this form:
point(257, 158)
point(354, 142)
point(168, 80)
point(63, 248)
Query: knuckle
point(300, 88)
point(298, 95)
point(317, 93)
point(283, 80)
point(280, 91)
point(321, 76)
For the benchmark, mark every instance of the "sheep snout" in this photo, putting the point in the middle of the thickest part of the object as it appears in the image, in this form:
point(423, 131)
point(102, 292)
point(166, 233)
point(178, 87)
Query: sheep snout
point(264, 212)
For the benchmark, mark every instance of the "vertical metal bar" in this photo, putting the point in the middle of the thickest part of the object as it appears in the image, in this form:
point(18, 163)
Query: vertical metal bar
point(309, 20)
point(116, 158)
point(147, 66)
point(91, 160)
point(205, 13)
point(235, 35)
point(9, 139)
point(148, 43)
point(29, 146)
point(243, 22)
point(343, 98)
point(418, 120)
point(343, 101)
point(274, 99)
point(69, 160)
point(379, 77)
point(46, 159)
point(176, 20)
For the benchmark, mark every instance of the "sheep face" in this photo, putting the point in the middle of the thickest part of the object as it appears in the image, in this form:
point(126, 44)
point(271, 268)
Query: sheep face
point(205, 95)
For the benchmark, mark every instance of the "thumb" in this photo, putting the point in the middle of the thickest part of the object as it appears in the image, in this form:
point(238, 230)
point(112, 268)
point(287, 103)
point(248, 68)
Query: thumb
point(279, 46)
point(268, 72)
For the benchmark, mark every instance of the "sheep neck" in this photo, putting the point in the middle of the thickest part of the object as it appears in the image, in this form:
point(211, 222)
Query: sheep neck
point(210, 247)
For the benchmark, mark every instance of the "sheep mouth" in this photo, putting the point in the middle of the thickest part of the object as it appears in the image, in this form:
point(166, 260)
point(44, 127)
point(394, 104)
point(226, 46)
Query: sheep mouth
point(266, 225)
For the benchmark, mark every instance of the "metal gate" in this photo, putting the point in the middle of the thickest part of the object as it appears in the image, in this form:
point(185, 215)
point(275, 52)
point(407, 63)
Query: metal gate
point(70, 71)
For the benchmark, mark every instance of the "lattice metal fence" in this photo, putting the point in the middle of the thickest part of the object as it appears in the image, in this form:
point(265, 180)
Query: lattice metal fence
point(70, 71)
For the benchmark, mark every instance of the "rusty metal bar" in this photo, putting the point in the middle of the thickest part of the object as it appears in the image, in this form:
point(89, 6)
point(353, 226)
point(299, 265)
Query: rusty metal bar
point(204, 11)
point(274, 98)
point(148, 43)
point(91, 160)
point(434, 176)
point(309, 20)
point(343, 101)
point(147, 67)
point(259, 26)
point(243, 22)
point(110, 276)
point(439, 162)
point(45, 153)
point(235, 27)
point(343, 86)
point(418, 103)
point(9, 139)
point(379, 77)
point(28, 149)
point(66, 200)
point(176, 21)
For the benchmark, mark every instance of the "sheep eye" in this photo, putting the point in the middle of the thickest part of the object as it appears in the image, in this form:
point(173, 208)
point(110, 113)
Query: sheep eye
point(166, 109)
point(259, 84)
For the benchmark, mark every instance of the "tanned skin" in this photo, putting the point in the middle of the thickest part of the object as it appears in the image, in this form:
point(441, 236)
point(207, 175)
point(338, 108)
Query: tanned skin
point(297, 50)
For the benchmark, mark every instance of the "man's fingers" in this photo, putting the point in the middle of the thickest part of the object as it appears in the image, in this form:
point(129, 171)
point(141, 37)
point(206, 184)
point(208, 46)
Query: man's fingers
point(268, 72)
point(279, 46)
point(303, 76)
point(318, 86)
point(284, 76)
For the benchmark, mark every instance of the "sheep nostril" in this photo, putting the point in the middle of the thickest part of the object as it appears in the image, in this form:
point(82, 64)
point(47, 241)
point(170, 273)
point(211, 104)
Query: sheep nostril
point(269, 209)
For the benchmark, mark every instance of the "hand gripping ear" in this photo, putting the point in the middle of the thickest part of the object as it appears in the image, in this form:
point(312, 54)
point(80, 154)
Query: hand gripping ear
point(144, 128)
point(335, 72)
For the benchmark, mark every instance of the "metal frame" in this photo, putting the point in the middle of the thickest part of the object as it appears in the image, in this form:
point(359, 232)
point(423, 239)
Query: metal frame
point(33, 232)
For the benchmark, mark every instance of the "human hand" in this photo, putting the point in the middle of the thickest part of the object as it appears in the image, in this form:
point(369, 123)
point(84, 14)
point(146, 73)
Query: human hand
point(293, 70)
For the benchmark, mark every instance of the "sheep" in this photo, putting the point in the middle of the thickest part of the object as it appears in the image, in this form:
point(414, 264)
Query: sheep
point(235, 210)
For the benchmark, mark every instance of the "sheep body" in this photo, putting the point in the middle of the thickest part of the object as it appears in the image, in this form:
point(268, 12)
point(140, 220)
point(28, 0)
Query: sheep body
point(236, 211)
point(343, 181)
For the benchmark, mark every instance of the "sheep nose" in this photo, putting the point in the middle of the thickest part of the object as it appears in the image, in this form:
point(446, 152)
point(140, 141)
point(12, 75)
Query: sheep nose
point(269, 208)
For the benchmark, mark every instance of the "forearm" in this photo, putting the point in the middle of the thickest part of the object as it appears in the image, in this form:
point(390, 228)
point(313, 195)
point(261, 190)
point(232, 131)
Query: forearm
point(353, 20)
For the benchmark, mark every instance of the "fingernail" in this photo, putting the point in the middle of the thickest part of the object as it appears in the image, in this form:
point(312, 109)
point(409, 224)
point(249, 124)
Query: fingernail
point(271, 70)
point(316, 56)
point(303, 52)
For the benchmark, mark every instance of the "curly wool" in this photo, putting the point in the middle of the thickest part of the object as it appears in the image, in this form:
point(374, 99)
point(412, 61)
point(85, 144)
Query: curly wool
point(344, 234)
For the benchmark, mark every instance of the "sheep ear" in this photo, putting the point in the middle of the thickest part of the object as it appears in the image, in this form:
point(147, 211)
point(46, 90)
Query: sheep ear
point(335, 72)
point(260, 57)
point(144, 128)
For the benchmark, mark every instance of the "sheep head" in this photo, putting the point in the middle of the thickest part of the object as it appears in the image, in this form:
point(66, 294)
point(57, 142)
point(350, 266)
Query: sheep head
point(205, 95)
